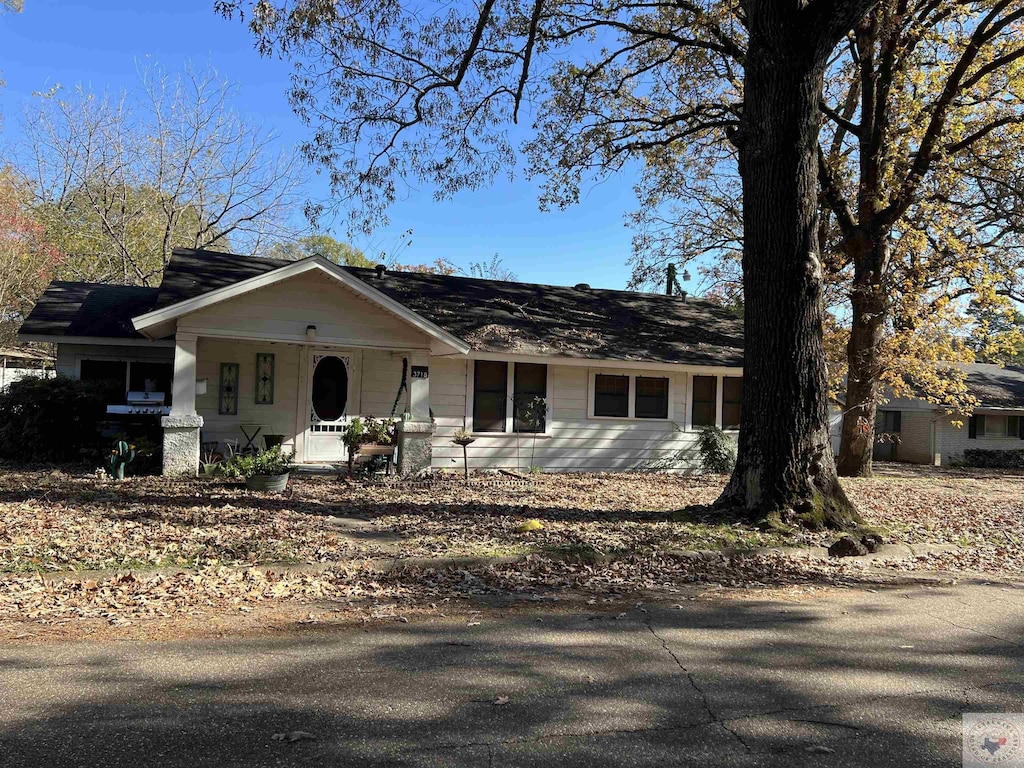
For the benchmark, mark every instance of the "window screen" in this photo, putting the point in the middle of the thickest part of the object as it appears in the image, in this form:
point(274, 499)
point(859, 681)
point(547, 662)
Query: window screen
point(888, 421)
point(705, 393)
point(999, 426)
point(611, 395)
point(490, 388)
point(151, 377)
point(651, 398)
point(530, 396)
point(732, 402)
point(112, 375)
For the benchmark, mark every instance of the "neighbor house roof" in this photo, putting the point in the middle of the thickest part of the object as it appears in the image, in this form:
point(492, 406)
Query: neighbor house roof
point(489, 315)
point(996, 387)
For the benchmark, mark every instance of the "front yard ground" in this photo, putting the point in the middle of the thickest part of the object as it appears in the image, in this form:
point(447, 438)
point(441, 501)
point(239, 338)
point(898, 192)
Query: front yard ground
point(78, 547)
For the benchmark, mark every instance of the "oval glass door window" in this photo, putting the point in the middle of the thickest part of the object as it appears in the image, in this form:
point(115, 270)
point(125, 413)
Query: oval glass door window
point(330, 389)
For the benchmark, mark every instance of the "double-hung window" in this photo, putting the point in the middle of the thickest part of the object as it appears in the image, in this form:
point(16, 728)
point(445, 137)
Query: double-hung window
point(704, 406)
point(651, 398)
point(630, 396)
point(732, 401)
point(509, 397)
point(529, 396)
point(705, 397)
point(611, 395)
point(490, 390)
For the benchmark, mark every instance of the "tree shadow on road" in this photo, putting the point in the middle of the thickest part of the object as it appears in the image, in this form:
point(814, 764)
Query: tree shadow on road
point(875, 678)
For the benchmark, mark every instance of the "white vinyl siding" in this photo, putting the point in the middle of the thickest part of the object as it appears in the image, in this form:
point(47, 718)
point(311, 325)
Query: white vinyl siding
point(574, 441)
point(284, 310)
point(277, 419)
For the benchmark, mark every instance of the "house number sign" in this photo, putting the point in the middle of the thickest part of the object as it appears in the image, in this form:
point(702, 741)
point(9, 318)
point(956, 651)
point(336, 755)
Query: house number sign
point(420, 372)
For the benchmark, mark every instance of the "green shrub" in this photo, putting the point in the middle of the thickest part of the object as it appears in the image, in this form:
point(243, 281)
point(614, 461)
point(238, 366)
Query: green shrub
point(52, 420)
point(994, 459)
point(269, 462)
point(717, 451)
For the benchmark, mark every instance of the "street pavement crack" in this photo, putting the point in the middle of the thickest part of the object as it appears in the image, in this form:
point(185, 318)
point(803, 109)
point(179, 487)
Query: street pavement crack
point(975, 631)
point(715, 719)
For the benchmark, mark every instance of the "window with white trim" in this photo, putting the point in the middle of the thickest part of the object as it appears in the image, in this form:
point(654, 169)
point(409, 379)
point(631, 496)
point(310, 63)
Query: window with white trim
point(651, 397)
point(497, 384)
point(530, 396)
point(611, 395)
point(704, 409)
point(616, 395)
point(490, 389)
point(732, 402)
point(1000, 426)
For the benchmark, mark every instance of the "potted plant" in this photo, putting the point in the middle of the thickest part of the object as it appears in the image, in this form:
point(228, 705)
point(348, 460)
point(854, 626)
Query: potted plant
point(370, 436)
point(266, 470)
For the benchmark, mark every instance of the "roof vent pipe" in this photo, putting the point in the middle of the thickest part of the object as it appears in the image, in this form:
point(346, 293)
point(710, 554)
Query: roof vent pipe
point(381, 270)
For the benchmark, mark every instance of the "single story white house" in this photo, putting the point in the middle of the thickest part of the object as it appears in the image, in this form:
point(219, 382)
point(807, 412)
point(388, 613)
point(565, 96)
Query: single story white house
point(927, 434)
point(298, 348)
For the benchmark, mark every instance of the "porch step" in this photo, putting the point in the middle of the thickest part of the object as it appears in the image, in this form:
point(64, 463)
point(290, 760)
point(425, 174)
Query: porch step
point(318, 469)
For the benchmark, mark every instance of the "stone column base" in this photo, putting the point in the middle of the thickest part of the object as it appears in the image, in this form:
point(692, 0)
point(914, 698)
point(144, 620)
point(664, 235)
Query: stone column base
point(414, 446)
point(181, 444)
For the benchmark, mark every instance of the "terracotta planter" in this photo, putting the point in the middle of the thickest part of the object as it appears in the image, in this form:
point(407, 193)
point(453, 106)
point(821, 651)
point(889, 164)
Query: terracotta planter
point(267, 482)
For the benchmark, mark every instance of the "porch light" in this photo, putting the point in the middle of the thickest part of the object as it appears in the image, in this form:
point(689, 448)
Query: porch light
point(310, 331)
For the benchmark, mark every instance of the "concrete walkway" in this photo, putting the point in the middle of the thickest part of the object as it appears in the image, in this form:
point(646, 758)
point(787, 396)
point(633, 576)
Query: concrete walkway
point(853, 678)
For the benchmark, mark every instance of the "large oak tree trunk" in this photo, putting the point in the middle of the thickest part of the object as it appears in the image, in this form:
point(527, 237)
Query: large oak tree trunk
point(785, 469)
point(863, 357)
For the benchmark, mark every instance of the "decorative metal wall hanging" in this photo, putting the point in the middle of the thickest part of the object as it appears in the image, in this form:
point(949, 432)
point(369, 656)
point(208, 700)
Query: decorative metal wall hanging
point(228, 404)
point(264, 379)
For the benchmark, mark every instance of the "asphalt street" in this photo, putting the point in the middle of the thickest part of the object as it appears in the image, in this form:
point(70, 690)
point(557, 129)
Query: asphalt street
point(851, 678)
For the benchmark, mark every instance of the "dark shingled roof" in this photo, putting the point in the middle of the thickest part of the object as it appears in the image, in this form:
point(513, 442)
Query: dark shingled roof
point(88, 309)
point(996, 387)
point(195, 272)
point(499, 316)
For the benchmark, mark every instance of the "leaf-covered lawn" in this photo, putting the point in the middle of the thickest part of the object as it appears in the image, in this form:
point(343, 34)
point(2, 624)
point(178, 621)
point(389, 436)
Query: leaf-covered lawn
point(56, 522)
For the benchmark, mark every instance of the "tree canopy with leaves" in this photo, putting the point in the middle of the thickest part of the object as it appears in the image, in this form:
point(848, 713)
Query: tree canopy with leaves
point(920, 189)
point(119, 181)
point(319, 245)
point(397, 93)
point(28, 260)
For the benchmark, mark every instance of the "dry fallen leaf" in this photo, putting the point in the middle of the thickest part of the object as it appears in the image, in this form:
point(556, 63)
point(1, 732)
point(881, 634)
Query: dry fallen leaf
point(293, 736)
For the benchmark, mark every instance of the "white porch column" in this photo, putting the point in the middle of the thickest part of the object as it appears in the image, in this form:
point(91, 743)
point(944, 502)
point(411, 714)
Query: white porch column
point(419, 386)
point(183, 390)
point(181, 426)
point(416, 433)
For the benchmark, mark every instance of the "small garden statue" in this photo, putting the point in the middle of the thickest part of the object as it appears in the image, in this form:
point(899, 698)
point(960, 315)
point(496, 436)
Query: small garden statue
point(121, 456)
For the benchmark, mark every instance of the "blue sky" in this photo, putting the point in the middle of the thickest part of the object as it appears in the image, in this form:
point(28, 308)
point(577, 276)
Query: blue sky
point(99, 44)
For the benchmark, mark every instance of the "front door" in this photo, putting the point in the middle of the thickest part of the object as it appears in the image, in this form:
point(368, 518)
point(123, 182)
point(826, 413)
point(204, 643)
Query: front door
point(333, 379)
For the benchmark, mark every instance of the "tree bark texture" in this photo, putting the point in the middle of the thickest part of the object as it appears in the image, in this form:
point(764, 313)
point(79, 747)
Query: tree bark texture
point(785, 470)
point(863, 354)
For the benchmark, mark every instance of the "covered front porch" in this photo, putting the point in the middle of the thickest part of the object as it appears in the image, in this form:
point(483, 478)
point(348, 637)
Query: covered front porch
point(296, 354)
point(243, 393)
